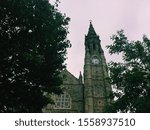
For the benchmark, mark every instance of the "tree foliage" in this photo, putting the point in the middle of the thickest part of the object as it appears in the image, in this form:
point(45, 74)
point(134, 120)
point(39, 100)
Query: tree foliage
point(130, 78)
point(33, 47)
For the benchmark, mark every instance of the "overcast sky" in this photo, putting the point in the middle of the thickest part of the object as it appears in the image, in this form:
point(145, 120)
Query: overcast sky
point(108, 16)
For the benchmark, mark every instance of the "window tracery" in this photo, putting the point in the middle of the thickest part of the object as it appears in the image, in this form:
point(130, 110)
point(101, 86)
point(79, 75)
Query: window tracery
point(63, 101)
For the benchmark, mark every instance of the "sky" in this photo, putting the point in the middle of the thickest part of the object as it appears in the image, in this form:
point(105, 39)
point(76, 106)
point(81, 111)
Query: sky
point(108, 16)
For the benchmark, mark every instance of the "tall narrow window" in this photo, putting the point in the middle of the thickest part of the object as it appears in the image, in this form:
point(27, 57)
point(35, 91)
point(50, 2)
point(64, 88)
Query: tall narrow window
point(94, 48)
point(63, 101)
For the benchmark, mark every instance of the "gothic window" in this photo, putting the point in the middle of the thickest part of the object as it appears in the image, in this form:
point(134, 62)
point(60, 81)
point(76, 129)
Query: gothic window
point(63, 101)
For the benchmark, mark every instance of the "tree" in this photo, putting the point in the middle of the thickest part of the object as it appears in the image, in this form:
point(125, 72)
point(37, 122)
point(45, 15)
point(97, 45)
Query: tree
point(33, 47)
point(130, 78)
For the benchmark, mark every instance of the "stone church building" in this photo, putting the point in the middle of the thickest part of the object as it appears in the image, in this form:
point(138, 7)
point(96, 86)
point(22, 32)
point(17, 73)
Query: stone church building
point(88, 93)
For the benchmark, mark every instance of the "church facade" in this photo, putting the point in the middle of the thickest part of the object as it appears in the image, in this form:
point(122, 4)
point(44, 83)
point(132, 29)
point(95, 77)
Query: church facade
point(88, 93)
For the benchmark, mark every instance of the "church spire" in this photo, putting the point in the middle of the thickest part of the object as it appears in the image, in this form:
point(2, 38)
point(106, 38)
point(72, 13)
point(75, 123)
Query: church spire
point(91, 31)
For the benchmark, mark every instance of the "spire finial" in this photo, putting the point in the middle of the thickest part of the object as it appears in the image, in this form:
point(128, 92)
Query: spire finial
point(91, 29)
point(90, 21)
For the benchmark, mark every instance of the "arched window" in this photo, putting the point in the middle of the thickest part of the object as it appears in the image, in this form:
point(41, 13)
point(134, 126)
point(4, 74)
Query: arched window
point(63, 101)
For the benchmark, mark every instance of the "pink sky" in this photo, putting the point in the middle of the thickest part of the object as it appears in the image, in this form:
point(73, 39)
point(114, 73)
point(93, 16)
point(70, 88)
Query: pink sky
point(107, 17)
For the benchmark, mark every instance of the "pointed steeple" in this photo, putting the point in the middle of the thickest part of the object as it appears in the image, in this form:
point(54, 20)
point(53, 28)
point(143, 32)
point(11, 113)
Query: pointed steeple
point(91, 31)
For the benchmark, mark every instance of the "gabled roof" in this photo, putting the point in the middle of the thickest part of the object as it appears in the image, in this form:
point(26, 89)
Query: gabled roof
point(69, 78)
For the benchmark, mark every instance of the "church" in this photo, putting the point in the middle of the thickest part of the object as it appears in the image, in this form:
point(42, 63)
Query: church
point(90, 92)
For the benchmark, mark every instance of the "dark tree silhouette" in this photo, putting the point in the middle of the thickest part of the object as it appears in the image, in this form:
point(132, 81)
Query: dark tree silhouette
point(131, 78)
point(33, 47)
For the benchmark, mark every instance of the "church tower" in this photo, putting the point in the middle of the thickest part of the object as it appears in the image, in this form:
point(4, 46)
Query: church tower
point(96, 86)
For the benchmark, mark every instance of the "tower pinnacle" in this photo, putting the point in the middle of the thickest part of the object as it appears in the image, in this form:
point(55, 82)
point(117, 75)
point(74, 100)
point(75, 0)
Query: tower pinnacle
point(91, 31)
point(80, 77)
